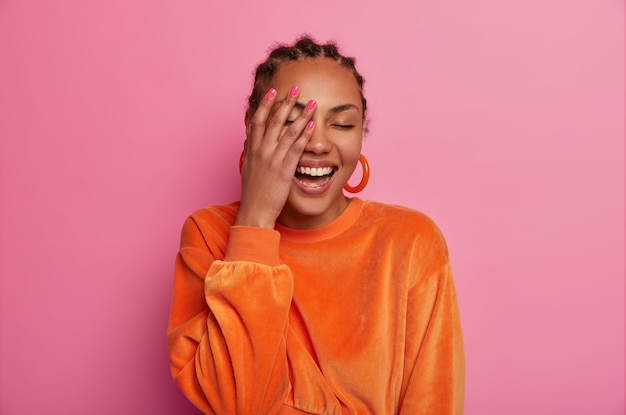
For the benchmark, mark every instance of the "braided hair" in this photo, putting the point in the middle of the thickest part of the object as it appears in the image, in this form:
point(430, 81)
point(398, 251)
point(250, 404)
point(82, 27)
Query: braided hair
point(305, 47)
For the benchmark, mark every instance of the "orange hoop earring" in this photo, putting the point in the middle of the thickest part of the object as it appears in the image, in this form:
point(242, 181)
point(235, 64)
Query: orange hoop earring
point(241, 162)
point(366, 177)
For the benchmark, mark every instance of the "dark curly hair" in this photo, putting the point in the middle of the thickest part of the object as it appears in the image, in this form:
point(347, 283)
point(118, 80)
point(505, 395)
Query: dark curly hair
point(305, 47)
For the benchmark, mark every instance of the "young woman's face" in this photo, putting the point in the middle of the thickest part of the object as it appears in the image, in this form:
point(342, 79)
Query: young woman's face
point(315, 200)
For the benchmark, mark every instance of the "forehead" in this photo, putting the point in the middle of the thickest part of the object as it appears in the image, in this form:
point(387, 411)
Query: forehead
point(318, 79)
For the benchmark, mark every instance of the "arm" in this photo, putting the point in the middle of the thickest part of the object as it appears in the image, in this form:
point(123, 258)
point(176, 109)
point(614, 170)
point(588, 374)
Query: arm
point(228, 322)
point(229, 319)
point(434, 372)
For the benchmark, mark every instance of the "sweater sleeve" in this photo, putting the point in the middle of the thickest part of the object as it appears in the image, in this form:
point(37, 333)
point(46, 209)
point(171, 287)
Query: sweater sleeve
point(229, 320)
point(434, 372)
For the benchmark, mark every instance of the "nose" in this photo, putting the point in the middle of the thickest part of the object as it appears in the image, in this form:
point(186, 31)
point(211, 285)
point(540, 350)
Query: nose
point(319, 143)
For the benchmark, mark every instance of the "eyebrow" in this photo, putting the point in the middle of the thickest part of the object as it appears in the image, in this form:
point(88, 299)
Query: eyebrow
point(334, 110)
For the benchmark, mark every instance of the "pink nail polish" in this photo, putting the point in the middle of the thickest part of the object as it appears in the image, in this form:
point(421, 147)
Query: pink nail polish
point(271, 93)
point(310, 105)
point(310, 125)
point(294, 91)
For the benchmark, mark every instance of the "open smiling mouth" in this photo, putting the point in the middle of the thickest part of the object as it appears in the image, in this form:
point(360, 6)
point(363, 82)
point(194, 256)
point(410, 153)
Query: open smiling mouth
point(314, 176)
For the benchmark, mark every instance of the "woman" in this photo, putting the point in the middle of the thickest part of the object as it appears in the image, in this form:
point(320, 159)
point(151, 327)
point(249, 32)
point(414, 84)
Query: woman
point(297, 299)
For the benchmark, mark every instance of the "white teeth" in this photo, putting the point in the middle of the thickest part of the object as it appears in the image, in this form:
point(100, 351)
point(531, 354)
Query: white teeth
point(315, 171)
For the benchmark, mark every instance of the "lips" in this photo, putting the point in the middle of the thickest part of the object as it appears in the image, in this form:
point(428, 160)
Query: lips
point(314, 177)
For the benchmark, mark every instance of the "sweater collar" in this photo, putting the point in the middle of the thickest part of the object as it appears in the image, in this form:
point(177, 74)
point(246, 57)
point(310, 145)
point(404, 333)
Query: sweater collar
point(334, 228)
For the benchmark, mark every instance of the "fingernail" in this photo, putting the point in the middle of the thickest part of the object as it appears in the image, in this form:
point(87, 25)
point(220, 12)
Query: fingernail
point(310, 125)
point(310, 105)
point(271, 93)
point(294, 91)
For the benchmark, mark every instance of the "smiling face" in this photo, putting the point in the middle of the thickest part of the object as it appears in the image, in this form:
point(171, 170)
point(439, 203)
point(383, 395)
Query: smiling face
point(316, 197)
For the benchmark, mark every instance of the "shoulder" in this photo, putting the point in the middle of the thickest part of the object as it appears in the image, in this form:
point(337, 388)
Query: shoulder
point(209, 223)
point(403, 226)
point(399, 220)
point(412, 235)
point(218, 215)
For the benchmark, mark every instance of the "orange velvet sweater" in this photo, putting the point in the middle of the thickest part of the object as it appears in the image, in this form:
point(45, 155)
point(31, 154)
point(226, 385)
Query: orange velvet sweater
point(357, 317)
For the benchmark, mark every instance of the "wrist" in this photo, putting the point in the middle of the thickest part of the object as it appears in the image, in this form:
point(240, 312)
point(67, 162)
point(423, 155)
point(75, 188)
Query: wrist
point(254, 221)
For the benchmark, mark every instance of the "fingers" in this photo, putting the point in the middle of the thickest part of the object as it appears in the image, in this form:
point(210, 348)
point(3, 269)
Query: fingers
point(293, 150)
point(276, 121)
point(296, 132)
point(256, 129)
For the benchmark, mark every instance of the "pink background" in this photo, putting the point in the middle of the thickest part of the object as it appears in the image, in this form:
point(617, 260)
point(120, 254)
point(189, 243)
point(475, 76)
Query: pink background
point(504, 121)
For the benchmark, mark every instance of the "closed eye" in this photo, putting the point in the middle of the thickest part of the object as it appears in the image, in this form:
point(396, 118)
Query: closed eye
point(343, 126)
point(288, 122)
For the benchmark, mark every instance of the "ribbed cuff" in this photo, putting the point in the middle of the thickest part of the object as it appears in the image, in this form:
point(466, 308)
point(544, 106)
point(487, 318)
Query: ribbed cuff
point(249, 243)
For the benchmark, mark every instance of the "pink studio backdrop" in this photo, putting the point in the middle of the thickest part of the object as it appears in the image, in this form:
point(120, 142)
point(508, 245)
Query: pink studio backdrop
point(504, 121)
